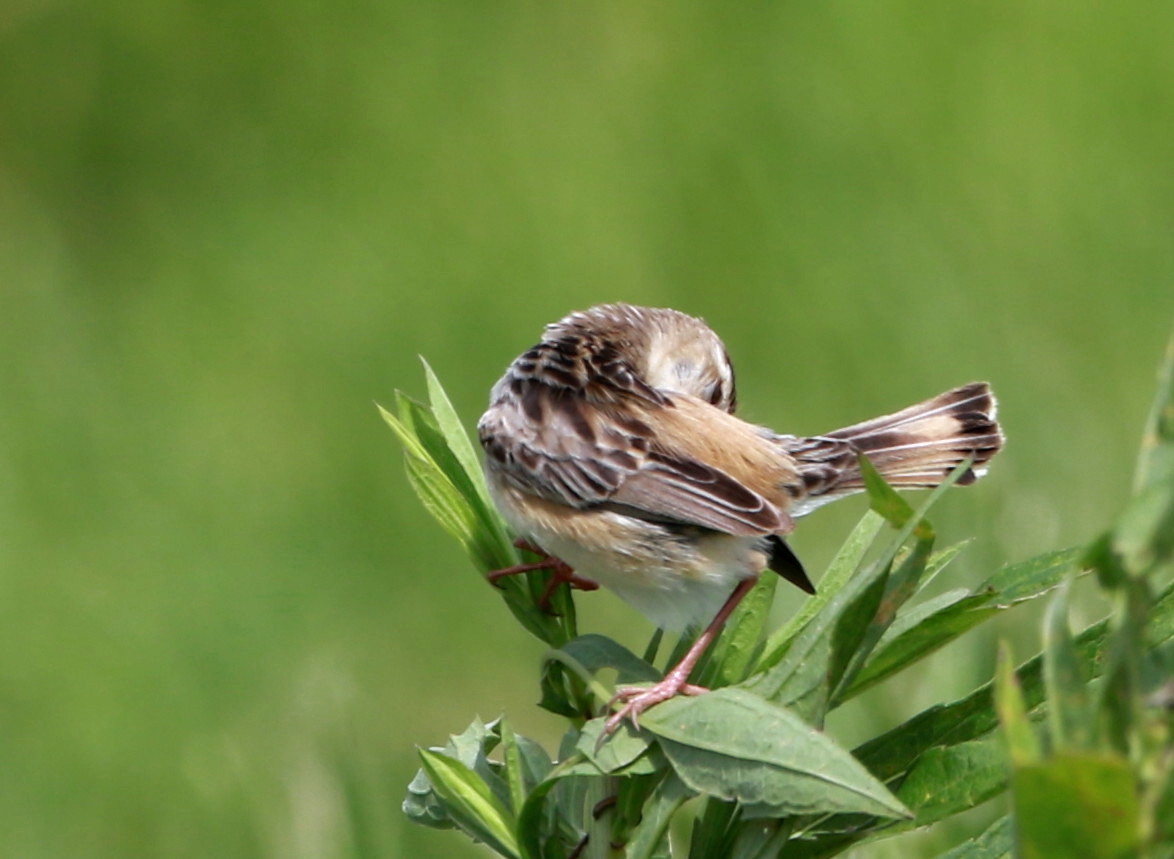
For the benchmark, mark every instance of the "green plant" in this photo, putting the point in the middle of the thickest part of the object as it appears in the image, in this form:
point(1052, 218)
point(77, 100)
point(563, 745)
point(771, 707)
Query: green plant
point(750, 761)
point(1094, 777)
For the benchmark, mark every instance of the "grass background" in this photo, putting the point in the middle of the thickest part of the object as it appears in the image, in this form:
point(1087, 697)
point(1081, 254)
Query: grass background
point(227, 229)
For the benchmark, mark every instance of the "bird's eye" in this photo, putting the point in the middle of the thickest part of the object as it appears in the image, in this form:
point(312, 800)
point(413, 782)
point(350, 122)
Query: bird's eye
point(713, 395)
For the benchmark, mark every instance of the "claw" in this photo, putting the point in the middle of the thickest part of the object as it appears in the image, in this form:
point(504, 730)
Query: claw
point(560, 572)
point(637, 699)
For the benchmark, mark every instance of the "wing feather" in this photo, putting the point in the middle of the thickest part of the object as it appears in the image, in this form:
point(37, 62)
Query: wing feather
point(551, 443)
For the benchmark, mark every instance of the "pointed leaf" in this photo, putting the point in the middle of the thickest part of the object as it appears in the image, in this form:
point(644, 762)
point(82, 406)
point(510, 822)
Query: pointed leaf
point(881, 497)
point(945, 781)
point(1028, 579)
point(923, 629)
point(1070, 719)
point(894, 751)
point(441, 499)
point(621, 749)
point(1143, 536)
point(942, 559)
point(736, 649)
point(897, 588)
point(843, 565)
point(900, 584)
point(470, 802)
point(1017, 730)
point(596, 652)
point(734, 745)
point(515, 777)
point(802, 678)
point(455, 497)
point(490, 547)
point(920, 632)
point(453, 430)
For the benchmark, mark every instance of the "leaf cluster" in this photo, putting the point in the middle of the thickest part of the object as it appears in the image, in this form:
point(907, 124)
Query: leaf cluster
point(1084, 725)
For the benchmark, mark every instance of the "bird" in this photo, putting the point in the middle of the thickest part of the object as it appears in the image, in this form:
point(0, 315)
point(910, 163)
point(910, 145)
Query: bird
point(613, 451)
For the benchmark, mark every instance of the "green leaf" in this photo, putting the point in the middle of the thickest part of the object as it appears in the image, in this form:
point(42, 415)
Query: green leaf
point(576, 663)
point(735, 650)
point(470, 802)
point(530, 828)
point(1143, 536)
point(897, 588)
point(855, 634)
point(1026, 580)
point(441, 499)
point(736, 746)
point(597, 652)
point(1076, 805)
point(901, 583)
point(1160, 627)
point(456, 498)
point(649, 834)
point(942, 559)
point(515, 776)
point(843, 565)
point(802, 678)
point(945, 781)
point(434, 475)
point(712, 829)
point(996, 842)
point(893, 752)
point(763, 838)
point(920, 632)
point(832, 645)
point(952, 779)
point(1070, 718)
point(1142, 539)
point(1155, 464)
point(423, 806)
point(488, 544)
point(1017, 730)
point(453, 430)
point(883, 498)
point(923, 629)
point(619, 752)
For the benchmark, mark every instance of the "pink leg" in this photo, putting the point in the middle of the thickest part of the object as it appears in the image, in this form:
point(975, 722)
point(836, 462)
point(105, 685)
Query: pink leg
point(637, 699)
point(561, 572)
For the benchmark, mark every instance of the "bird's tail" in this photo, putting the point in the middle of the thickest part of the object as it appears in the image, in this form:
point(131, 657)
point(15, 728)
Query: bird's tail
point(916, 447)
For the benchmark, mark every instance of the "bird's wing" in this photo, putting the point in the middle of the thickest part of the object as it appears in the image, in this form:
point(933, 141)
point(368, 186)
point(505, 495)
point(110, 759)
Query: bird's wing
point(584, 452)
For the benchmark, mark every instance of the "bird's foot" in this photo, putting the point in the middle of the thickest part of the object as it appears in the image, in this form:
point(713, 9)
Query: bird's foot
point(560, 572)
point(637, 699)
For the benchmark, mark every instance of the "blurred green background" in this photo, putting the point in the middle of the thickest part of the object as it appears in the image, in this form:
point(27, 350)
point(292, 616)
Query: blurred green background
point(227, 230)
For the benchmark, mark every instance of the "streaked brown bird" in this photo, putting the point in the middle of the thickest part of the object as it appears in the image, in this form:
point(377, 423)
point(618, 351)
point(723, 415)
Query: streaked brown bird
point(612, 446)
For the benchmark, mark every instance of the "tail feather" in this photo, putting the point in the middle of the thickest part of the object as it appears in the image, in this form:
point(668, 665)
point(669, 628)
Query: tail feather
point(916, 447)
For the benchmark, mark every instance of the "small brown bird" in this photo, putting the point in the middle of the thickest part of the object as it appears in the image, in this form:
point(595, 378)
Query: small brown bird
point(612, 445)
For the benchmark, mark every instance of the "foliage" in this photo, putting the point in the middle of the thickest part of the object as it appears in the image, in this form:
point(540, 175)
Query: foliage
point(1098, 782)
point(1085, 727)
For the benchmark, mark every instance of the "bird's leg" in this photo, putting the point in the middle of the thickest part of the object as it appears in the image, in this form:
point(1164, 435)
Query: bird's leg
point(637, 699)
point(560, 572)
